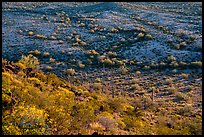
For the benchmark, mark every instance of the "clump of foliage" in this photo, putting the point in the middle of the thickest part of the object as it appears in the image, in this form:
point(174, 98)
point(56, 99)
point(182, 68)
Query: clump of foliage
point(196, 64)
point(29, 61)
point(70, 71)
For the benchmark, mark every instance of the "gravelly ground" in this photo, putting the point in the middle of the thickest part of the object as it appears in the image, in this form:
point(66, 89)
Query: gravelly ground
point(105, 15)
point(174, 22)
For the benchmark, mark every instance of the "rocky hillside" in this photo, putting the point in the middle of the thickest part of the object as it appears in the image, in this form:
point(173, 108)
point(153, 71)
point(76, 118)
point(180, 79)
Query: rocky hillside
point(102, 67)
point(34, 103)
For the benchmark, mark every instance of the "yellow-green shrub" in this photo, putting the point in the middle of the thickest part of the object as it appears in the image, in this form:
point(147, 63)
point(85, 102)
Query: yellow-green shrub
point(26, 120)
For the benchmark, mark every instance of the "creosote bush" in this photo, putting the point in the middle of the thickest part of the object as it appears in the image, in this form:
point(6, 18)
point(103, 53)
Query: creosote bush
point(70, 71)
point(30, 61)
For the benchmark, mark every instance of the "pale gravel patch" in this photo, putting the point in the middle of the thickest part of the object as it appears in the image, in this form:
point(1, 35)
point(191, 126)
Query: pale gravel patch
point(154, 51)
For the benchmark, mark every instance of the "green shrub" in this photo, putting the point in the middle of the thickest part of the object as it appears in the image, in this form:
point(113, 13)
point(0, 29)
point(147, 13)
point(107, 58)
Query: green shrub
point(138, 72)
point(123, 69)
point(172, 90)
point(174, 64)
point(97, 86)
point(108, 62)
point(186, 110)
point(148, 36)
point(146, 67)
point(26, 120)
point(29, 61)
point(196, 64)
point(171, 58)
point(30, 33)
point(181, 97)
point(70, 71)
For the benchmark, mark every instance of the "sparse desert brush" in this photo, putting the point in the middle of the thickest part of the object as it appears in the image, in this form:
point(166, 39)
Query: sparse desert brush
point(181, 32)
point(169, 41)
point(92, 52)
point(62, 20)
point(187, 110)
point(60, 41)
point(140, 35)
point(53, 38)
point(97, 86)
point(108, 122)
point(123, 69)
point(184, 75)
point(46, 54)
point(52, 60)
point(81, 24)
point(55, 106)
point(196, 64)
point(115, 105)
point(40, 36)
point(194, 37)
point(149, 23)
point(174, 71)
point(160, 27)
point(146, 67)
point(41, 77)
point(96, 126)
point(98, 80)
point(29, 61)
point(132, 122)
point(168, 81)
point(37, 52)
point(114, 30)
point(152, 65)
point(75, 44)
point(183, 64)
point(92, 31)
point(119, 62)
point(48, 68)
point(172, 90)
point(81, 65)
point(137, 104)
point(88, 62)
point(162, 64)
point(147, 102)
point(101, 58)
point(82, 43)
point(108, 62)
point(171, 58)
point(20, 31)
point(135, 87)
point(188, 88)
point(70, 71)
point(174, 64)
point(112, 54)
point(181, 96)
point(181, 45)
point(77, 39)
point(26, 120)
point(148, 36)
point(30, 33)
point(138, 72)
point(34, 80)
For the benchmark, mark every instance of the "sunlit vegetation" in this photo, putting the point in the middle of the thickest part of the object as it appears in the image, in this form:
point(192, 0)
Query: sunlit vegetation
point(70, 71)
point(101, 68)
point(41, 104)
